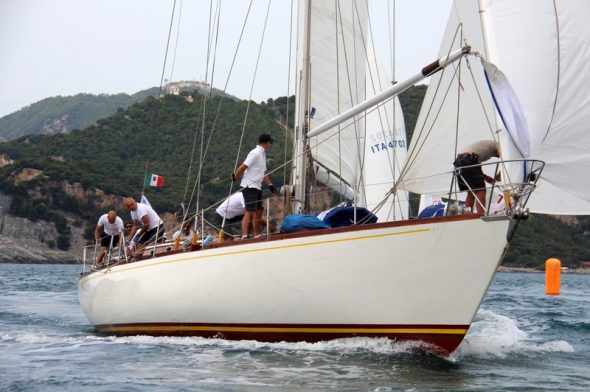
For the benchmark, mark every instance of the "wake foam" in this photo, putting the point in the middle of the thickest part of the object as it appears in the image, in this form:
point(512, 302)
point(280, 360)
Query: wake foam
point(345, 345)
point(496, 336)
point(350, 345)
point(490, 336)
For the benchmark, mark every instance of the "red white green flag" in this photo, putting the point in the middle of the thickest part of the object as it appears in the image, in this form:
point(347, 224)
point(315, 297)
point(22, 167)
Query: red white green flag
point(154, 180)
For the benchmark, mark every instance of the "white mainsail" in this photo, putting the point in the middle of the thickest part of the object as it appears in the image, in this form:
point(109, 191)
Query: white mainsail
point(359, 163)
point(542, 48)
point(337, 58)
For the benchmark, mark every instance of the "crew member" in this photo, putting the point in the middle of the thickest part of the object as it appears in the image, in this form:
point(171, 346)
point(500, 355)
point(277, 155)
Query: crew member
point(108, 231)
point(254, 171)
point(472, 178)
point(146, 224)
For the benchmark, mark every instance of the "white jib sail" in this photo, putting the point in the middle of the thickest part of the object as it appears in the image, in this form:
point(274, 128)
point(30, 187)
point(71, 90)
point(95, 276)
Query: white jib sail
point(452, 115)
point(541, 47)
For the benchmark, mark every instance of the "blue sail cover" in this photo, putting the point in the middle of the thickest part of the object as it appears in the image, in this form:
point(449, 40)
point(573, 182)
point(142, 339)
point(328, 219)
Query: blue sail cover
point(432, 211)
point(297, 222)
point(344, 216)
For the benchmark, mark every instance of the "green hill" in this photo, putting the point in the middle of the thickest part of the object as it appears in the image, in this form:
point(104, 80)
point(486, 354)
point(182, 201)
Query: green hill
point(112, 155)
point(73, 172)
point(65, 114)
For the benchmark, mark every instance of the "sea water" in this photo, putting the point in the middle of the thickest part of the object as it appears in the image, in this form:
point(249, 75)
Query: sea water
point(521, 340)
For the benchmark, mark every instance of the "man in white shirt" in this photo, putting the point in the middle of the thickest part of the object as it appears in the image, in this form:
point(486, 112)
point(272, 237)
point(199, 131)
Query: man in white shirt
point(108, 231)
point(254, 171)
point(151, 225)
point(185, 235)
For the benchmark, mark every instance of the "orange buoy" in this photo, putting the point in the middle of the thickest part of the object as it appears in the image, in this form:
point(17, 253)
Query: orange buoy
point(552, 272)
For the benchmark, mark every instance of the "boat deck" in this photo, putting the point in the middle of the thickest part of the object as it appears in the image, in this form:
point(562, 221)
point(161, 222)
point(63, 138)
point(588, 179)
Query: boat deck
point(167, 248)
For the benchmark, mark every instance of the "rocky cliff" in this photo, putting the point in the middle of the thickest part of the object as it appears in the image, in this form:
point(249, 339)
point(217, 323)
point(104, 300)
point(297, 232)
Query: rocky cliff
point(25, 241)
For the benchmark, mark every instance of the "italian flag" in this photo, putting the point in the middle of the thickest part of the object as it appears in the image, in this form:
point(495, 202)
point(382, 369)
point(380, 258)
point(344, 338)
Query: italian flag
point(154, 180)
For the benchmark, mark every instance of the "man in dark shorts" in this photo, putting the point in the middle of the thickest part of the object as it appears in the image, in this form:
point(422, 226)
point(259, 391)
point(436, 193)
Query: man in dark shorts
point(108, 231)
point(473, 179)
point(254, 171)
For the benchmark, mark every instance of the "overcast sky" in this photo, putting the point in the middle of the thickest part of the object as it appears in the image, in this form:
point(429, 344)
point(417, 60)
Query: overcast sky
point(66, 47)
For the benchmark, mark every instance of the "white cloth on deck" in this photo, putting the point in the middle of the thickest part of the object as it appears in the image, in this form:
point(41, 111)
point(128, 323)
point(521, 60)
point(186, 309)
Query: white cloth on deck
point(232, 206)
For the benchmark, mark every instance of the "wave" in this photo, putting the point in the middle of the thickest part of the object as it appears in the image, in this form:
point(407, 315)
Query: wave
point(490, 336)
point(346, 345)
point(496, 336)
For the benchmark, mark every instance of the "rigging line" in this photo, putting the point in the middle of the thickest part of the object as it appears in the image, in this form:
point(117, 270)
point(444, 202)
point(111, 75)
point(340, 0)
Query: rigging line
point(227, 81)
point(558, 70)
point(419, 149)
point(222, 97)
point(411, 154)
point(490, 128)
point(479, 96)
point(203, 113)
point(176, 41)
point(504, 167)
point(459, 89)
point(167, 46)
point(358, 182)
point(252, 86)
point(393, 76)
point(336, 35)
point(337, 75)
point(392, 24)
point(288, 92)
point(382, 105)
point(393, 51)
point(250, 96)
point(392, 162)
point(486, 54)
point(440, 77)
point(362, 148)
point(395, 161)
point(217, 24)
point(306, 151)
point(202, 159)
point(201, 108)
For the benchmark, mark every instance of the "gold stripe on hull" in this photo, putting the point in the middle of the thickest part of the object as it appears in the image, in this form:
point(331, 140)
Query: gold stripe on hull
point(206, 328)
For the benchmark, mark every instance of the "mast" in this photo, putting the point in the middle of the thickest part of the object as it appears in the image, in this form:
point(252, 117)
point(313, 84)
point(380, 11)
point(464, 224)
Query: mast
point(299, 170)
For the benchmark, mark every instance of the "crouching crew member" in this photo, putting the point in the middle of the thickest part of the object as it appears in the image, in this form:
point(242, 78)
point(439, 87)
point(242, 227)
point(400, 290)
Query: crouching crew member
point(146, 224)
point(108, 231)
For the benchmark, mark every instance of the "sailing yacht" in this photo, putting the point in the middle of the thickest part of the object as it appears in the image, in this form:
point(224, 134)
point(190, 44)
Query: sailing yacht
point(518, 80)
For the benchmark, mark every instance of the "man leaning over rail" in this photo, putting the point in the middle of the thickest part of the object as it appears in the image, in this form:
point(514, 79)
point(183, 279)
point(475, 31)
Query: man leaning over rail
point(472, 179)
point(151, 225)
point(108, 231)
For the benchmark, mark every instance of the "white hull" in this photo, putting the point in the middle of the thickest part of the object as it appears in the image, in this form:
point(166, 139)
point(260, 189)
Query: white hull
point(423, 280)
